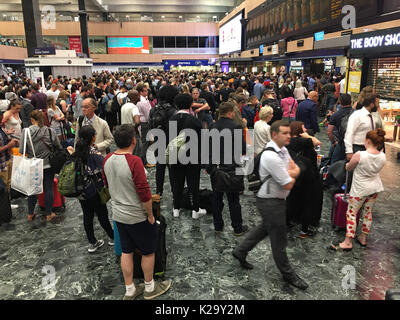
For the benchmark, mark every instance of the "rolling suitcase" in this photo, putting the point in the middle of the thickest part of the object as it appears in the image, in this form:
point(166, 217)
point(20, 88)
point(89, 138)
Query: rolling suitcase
point(5, 206)
point(339, 208)
point(161, 248)
point(59, 200)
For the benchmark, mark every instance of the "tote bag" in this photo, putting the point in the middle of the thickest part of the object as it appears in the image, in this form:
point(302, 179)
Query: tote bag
point(27, 174)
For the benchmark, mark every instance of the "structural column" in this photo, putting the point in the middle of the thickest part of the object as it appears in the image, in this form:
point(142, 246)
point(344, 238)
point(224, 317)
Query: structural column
point(84, 28)
point(32, 24)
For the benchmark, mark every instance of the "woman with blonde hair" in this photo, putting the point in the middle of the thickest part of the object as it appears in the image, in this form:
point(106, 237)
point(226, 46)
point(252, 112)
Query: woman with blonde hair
point(62, 101)
point(262, 134)
point(300, 93)
point(185, 89)
point(55, 116)
point(368, 90)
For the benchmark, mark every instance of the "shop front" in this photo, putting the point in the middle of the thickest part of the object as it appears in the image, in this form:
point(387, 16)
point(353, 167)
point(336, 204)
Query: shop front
point(376, 58)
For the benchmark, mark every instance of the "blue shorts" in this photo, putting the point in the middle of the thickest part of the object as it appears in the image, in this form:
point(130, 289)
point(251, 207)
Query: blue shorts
point(142, 236)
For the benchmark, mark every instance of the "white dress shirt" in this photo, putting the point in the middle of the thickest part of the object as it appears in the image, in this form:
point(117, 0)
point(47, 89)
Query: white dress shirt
point(128, 112)
point(144, 107)
point(357, 128)
point(274, 165)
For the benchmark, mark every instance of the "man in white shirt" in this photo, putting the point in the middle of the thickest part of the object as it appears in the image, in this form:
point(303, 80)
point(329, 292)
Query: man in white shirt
point(144, 107)
point(360, 122)
point(279, 173)
point(54, 92)
point(342, 85)
point(129, 111)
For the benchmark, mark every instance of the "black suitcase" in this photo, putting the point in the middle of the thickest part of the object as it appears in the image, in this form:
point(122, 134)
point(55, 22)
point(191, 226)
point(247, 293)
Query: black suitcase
point(205, 198)
point(5, 205)
point(161, 247)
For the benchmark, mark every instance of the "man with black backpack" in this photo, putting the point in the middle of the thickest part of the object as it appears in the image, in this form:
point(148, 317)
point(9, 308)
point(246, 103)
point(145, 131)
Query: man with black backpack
point(337, 128)
point(278, 174)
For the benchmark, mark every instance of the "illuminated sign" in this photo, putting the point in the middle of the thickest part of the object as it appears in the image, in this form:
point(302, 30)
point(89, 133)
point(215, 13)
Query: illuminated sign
point(319, 36)
point(384, 40)
point(128, 45)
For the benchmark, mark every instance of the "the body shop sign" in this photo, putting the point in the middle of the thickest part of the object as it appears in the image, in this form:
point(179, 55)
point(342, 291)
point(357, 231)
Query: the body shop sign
point(387, 40)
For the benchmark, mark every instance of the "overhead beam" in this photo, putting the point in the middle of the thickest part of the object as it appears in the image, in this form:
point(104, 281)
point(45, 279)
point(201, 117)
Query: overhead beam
point(168, 9)
point(202, 3)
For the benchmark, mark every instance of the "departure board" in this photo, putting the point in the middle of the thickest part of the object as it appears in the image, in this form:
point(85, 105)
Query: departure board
point(336, 9)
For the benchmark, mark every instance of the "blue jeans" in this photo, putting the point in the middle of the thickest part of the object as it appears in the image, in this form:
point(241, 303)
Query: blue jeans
point(48, 181)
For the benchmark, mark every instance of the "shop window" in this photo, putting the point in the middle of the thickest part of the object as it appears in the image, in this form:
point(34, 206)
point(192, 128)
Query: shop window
point(193, 42)
point(181, 42)
point(203, 42)
point(97, 45)
point(158, 42)
point(170, 42)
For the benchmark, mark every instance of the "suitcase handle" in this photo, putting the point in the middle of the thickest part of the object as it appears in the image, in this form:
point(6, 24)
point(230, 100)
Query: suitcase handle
point(346, 191)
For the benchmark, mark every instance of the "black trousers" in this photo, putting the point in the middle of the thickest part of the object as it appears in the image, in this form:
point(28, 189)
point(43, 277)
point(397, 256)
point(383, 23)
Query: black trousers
point(234, 209)
point(273, 214)
point(89, 208)
point(160, 177)
point(178, 175)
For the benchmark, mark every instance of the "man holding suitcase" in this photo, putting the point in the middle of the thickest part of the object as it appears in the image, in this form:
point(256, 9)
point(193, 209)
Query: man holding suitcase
point(132, 210)
point(279, 173)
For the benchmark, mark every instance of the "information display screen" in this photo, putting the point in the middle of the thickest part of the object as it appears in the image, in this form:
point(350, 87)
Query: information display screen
point(128, 45)
point(230, 36)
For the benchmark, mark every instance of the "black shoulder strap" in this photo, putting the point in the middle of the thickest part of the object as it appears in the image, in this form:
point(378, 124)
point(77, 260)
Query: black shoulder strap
point(269, 176)
point(80, 121)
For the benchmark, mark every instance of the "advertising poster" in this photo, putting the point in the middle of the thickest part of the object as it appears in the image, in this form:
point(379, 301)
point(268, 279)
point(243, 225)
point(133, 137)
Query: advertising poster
point(314, 11)
point(324, 10)
point(230, 36)
point(290, 16)
point(128, 45)
point(305, 13)
point(297, 14)
point(75, 44)
point(354, 81)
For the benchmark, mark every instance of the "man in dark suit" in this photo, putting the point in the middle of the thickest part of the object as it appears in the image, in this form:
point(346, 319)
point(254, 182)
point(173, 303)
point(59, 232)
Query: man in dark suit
point(27, 108)
point(208, 96)
point(307, 112)
point(227, 163)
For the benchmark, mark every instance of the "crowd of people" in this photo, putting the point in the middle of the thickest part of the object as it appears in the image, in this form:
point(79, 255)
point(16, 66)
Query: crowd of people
point(276, 115)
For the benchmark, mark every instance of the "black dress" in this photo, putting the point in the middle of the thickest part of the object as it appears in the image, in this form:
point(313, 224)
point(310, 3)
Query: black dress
point(304, 204)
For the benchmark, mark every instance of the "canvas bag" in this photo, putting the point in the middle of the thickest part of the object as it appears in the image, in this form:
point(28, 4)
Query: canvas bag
point(27, 174)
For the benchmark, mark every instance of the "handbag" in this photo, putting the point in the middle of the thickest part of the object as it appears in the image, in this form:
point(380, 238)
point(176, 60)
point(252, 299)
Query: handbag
point(226, 181)
point(103, 193)
point(57, 158)
point(27, 174)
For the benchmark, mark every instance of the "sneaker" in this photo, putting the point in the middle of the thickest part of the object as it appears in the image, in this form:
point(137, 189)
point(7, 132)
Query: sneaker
point(177, 213)
point(14, 206)
point(159, 289)
point(241, 231)
point(149, 165)
point(198, 214)
point(94, 247)
point(139, 291)
point(309, 233)
point(110, 242)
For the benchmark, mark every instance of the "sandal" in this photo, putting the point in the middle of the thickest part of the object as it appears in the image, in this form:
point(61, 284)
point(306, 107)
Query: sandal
point(337, 247)
point(31, 217)
point(359, 242)
point(51, 217)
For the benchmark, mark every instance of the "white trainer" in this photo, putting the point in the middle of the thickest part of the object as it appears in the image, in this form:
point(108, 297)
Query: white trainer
point(198, 214)
point(14, 206)
point(177, 213)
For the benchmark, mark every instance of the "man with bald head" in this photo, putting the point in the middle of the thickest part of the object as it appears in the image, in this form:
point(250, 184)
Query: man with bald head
point(104, 138)
point(307, 112)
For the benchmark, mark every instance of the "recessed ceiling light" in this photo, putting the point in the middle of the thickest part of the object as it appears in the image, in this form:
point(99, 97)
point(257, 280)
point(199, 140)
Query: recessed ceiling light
point(180, 17)
point(162, 17)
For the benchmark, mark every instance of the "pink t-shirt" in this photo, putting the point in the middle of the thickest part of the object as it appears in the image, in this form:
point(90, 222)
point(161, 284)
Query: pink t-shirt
point(288, 104)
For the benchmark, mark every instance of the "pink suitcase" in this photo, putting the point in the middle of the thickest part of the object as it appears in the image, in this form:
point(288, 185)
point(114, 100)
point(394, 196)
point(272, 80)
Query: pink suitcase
point(339, 209)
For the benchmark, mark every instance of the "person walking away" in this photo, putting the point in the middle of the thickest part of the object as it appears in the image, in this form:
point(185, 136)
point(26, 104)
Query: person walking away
point(227, 164)
point(190, 172)
point(90, 200)
point(125, 176)
point(307, 112)
point(41, 142)
point(282, 173)
point(300, 93)
point(289, 104)
point(364, 189)
point(144, 109)
point(104, 138)
point(304, 204)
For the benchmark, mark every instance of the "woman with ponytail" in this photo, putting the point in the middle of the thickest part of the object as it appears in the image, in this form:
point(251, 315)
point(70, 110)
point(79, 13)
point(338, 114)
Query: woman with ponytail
point(90, 199)
point(364, 189)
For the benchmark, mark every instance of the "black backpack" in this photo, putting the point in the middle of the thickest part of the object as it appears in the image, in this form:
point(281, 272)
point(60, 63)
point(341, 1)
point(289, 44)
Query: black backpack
point(254, 179)
point(160, 115)
point(343, 125)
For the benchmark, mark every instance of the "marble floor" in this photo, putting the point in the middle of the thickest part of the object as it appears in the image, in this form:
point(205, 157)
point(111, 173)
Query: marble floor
point(200, 263)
